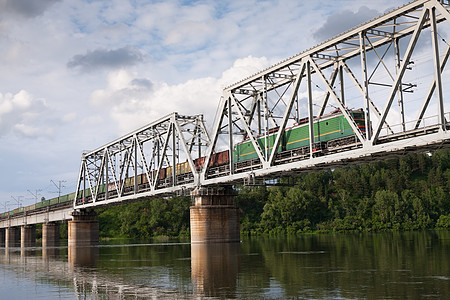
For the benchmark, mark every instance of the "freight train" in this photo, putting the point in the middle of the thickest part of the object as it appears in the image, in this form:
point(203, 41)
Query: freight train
point(64, 200)
point(331, 133)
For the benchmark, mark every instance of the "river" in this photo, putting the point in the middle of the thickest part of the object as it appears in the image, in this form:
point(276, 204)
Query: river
point(407, 265)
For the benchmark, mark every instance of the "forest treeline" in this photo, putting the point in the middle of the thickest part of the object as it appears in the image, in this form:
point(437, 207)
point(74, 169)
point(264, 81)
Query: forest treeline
point(408, 193)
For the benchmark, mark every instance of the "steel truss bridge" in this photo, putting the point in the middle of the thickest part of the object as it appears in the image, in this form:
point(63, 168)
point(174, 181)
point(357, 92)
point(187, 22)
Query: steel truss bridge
point(392, 67)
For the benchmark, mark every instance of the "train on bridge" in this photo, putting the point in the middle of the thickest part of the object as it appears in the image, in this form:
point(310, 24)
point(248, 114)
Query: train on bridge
point(332, 133)
point(61, 201)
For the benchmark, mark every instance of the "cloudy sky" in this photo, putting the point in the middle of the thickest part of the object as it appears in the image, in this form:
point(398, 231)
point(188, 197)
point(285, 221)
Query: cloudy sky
point(76, 74)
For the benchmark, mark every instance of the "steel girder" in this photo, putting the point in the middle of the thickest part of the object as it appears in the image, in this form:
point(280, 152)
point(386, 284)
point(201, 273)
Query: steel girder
point(143, 161)
point(395, 56)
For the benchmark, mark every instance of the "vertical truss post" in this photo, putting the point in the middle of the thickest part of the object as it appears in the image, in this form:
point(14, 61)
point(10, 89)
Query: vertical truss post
point(310, 108)
point(199, 137)
point(400, 90)
point(341, 83)
point(437, 69)
point(258, 108)
point(84, 179)
point(106, 174)
point(363, 56)
point(266, 113)
point(174, 155)
point(230, 137)
point(135, 165)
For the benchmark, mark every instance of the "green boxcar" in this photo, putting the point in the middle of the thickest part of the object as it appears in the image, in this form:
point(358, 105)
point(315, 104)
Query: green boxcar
point(18, 210)
point(53, 201)
point(327, 128)
point(39, 205)
point(69, 197)
point(45, 203)
point(30, 207)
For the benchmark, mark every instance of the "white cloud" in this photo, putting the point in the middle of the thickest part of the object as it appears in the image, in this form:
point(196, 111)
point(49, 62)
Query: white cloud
point(132, 105)
point(23, 114)
point(69, 117)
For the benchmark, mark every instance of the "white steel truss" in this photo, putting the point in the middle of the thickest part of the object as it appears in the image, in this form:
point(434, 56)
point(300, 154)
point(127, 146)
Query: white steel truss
point(387, 80)
point(400, 56)
point(156, 159)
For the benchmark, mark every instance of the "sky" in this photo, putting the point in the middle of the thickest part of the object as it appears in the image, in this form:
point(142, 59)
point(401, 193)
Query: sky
point(77, 74)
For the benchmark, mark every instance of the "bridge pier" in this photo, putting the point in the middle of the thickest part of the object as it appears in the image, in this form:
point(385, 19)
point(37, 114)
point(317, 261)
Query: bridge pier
point(12, 237)
point(83, 229)
point(50, 234)
point(214, 217)
point(2, 237)
point(27, 236)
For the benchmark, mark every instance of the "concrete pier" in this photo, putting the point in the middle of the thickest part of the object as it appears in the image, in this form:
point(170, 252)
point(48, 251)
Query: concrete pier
point(27, 236)
point(2, 237)
point(12, 237)
point(83, 229)
point(50, 234)
point(214, 217)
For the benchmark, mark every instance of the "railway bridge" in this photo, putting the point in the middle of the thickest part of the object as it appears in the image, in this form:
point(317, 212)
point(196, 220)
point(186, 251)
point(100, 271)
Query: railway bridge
point(376, 91)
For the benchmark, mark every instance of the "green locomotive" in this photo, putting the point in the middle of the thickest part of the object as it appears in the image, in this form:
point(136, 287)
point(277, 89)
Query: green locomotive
point(328, 131)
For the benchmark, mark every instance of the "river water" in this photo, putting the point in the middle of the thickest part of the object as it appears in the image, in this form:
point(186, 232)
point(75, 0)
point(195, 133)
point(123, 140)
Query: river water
point(409, 265)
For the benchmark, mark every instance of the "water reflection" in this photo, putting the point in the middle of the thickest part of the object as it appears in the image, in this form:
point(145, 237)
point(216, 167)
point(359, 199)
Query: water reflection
point(83, 256)
point(349, 266)
point(50, 253)
point(215, 269)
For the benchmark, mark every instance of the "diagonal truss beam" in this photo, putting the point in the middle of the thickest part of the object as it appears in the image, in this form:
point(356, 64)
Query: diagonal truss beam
point(338, 101)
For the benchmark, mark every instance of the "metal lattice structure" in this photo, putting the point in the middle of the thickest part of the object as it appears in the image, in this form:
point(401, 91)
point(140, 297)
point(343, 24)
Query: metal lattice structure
point(399, 57)
point(157, 159)
point(391, 70)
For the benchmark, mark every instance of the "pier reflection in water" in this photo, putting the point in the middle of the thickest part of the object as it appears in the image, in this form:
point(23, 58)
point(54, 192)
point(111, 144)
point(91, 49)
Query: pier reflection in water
point(215, 269)
point(82, 256)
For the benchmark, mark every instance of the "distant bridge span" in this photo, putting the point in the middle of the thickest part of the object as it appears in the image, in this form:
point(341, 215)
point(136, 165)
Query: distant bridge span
point(386, 81)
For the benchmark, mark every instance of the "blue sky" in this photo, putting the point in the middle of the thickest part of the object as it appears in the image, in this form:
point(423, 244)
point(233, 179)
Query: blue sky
point(76, 74)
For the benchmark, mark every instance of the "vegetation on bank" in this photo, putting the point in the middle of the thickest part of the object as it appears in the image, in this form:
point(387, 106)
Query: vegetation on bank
point(409, 193)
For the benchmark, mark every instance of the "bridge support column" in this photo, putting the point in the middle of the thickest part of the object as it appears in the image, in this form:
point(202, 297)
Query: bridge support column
point(83, 229)
point(27, 236)
point(2, 237)
point(50, 235)
point(214, 218)
point(12, 237)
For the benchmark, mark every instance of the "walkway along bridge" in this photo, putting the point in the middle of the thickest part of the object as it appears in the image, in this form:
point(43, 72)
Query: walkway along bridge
point(373, 92)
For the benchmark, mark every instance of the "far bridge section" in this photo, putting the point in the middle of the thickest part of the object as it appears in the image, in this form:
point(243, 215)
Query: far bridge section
point(163, 158)
point(376, 91)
